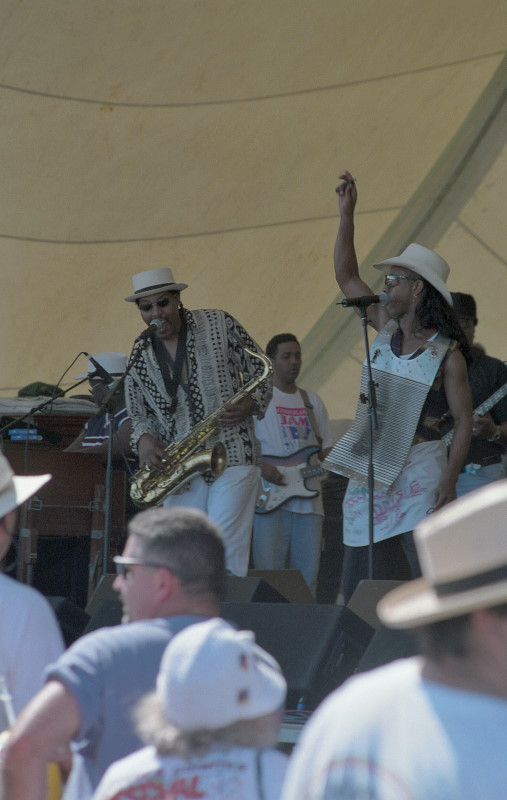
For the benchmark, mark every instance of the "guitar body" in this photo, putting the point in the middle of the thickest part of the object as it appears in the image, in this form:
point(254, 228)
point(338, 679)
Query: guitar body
point(296, 470)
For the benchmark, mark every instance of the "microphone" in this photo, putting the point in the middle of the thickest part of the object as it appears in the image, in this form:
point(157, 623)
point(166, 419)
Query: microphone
point(363, 302)
point(104, 374)
point(154, 325)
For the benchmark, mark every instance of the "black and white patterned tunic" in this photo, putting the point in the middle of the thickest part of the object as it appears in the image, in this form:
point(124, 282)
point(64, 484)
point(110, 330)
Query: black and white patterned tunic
point(217, 369)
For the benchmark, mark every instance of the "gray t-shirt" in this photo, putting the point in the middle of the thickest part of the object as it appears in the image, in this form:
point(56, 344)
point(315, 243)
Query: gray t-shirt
point(108, 671)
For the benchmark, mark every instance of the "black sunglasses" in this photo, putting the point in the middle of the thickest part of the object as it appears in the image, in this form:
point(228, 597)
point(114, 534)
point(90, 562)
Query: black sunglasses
point(123, 564)
point(162, 303)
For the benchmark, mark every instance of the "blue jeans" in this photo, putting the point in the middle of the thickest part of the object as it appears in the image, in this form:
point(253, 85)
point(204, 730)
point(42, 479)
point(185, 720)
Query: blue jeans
point(283, 539)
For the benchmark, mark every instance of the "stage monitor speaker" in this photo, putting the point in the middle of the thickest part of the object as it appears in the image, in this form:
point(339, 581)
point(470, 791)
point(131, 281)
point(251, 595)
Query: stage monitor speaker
point(106, 613)
point(387, 645)
point(317, 646)
point(103, 591)
point(366, 596)
point(289, 582)
point(71, 618)
point(250, 590)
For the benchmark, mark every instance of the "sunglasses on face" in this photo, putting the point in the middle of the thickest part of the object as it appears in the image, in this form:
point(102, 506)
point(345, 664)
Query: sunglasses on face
point(390, 281)
point(124, 565)
point(162, 303)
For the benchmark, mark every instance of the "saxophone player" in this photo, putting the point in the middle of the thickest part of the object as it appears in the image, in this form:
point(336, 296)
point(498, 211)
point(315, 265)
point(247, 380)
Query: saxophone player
point(189, 368)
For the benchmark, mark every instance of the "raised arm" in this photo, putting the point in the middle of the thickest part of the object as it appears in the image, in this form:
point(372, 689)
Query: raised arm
point(346, 267)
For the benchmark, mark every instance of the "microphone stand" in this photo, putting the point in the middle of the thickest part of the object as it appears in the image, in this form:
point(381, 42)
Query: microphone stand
point(371, 399)
point(104, 407)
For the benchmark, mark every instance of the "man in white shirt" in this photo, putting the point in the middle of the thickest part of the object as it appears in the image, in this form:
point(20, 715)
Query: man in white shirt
point(211, 725)
point(30, 637)
point(433, 726)
point(295, 430)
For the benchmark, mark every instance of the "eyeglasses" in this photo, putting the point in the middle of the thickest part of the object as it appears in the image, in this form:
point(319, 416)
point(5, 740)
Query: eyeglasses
point(162, 303)
point(391, 281)
point(123, 564)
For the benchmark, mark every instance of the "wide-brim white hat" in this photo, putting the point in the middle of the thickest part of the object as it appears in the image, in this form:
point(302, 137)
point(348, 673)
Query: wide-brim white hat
point(114, 363)
point(462, 550)
point(212, 675)
point(152, 281)
point(16, 489)
point(428, 264)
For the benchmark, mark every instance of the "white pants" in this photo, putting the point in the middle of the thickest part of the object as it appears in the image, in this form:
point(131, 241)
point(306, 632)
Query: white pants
point(229, 502)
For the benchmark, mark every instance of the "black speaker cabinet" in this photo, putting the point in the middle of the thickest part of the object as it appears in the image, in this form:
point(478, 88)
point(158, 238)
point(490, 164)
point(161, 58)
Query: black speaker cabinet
point(251, 590)
point(317, 646)
point(71, 618)
point(106, 613)
point(387, 645)
point(289, 582)
point(366, 596)
point(104, 591)
point(104, 607)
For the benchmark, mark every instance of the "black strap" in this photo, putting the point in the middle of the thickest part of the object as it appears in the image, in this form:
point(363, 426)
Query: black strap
point(311, 415)
point(172, 379)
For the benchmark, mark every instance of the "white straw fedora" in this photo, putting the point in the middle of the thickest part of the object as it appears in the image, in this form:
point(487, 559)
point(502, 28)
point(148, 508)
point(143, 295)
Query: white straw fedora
point(463, 554)
point(426, 263)
point(152, 281)
point(15, 489)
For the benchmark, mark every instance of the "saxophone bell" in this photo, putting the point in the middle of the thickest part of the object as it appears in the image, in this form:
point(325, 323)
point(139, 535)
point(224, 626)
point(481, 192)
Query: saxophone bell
point(156, 486)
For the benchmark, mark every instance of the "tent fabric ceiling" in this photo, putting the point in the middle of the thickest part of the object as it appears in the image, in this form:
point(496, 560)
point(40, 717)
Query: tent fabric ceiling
point(209, 136)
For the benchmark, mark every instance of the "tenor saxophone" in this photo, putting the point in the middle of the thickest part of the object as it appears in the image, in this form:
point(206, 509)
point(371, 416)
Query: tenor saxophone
point(184, 459)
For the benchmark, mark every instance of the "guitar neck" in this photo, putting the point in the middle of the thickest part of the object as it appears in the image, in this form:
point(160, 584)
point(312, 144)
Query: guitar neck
point(481, 409)
point(312, 472)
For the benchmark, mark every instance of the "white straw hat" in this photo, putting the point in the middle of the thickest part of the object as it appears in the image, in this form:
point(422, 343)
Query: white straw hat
point(463, 554)
point(15, 489)
point(152, 281)
point(212, 675)
point(426, 263)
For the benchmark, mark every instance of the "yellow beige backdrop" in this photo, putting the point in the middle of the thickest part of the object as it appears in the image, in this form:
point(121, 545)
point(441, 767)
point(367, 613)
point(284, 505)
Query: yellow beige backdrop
point(208, 135)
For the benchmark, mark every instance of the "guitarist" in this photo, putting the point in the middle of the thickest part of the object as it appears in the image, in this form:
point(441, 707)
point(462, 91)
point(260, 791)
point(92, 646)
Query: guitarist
point(290, 535)
point(484, 462)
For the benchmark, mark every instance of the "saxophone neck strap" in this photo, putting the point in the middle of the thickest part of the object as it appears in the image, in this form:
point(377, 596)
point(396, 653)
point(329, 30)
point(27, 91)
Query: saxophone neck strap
point(170, 368)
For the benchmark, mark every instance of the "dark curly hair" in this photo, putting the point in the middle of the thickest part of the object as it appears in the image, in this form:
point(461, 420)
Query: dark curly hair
point(433, 311)
point(280, 338)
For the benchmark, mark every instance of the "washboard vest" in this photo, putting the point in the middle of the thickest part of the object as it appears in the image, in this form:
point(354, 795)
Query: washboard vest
point(402, 386)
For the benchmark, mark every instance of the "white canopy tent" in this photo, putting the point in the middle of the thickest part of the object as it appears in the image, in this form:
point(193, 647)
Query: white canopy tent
point(209, 136)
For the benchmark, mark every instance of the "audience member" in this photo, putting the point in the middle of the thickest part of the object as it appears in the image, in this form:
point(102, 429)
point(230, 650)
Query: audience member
point(295, 434)
point(211, 725)
point(171, 574)
point(30, 637)
point(435, 725)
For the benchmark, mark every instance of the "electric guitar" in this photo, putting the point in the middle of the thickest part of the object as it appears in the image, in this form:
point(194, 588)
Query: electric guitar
point(480, 410)
point(295, 469)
